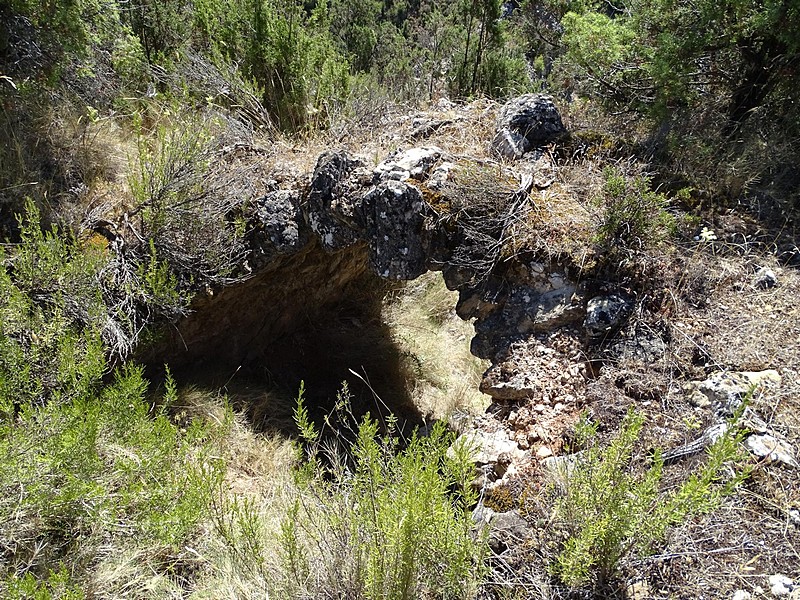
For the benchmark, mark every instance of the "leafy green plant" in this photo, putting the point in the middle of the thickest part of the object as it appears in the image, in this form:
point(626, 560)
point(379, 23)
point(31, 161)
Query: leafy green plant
point(384, 518)
point(57, 586)
point(88, 472)
point(63, 299)
point(184, 215)
point(634, 216)
point(609, 513)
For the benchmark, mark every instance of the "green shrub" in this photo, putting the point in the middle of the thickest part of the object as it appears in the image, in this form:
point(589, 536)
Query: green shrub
point(57, 586)
point(381, 519)
point(185, 214)
point(610, 513)
point(634, 217)
point(62, 299)
point(81, 474)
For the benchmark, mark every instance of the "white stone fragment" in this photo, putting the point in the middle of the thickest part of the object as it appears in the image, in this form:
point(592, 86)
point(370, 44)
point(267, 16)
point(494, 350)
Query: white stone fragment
point(771, 448)
point(780, 585)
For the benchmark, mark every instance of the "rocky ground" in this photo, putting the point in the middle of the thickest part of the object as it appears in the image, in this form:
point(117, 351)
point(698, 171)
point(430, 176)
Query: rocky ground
point(501, 201)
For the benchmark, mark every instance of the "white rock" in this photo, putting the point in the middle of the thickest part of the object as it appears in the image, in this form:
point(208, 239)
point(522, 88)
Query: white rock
point(794, 515)
point(741, 595)
point(414, 162)
point(544, 452)
point(771, 448)
point(765, 278)
point(488, 446)
point(780, 585)
point(728, 388)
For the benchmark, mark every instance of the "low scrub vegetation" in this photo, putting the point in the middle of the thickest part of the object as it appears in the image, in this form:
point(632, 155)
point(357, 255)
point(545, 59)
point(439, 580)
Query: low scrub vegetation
point(120, 199)
point(610, 513)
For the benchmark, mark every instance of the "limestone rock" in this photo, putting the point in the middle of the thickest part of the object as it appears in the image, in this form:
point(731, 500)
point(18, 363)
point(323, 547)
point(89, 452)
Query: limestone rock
point(507, 529)
point(526, 122)
point(725, 390)
point(490, 447)
point(395, 219)
point(276, 224)
point(780, 585)
point(414, 163)
point(333, 210)
point(771, 448)
point(605, 314)
point(765, 278)
point(550, 310)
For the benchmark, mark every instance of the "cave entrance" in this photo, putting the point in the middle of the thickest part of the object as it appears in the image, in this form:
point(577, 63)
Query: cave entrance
point(315, 317)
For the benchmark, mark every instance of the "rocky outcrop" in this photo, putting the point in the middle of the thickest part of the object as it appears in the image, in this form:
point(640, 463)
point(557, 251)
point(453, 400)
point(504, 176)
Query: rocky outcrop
point(525, 123)
point(317, 246)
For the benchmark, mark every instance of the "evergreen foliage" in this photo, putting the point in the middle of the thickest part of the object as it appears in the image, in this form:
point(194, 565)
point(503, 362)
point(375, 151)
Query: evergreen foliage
point(382, 518)
point(611, 513)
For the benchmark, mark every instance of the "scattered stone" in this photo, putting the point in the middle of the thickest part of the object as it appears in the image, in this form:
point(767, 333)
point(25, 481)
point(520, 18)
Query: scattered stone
point(725, 390)
point(507, 529)
point(482, 515)
point(606, 314)
point(765, 278)
point(771, 448)
point(526, 122)
point(544, 452)
point(439, 176)
point(414, 163)
point(547, 311)
point(780, 585)
point(489, 447)
point(741, 595)
point(699, 400)
point(423, 128)
point(560, 468)
point(794, 516)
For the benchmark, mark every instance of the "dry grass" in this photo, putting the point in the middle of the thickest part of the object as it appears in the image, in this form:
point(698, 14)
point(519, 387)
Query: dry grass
point(436, 342)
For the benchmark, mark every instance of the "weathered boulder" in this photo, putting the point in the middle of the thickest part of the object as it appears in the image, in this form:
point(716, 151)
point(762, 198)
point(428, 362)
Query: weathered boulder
point(395, 216)
point(526, 122)
point(724, 391)
point(276, 226)
point(414, 163)
point(772, 449)
point(507, 530)
point(605, 314)
point(333, 209)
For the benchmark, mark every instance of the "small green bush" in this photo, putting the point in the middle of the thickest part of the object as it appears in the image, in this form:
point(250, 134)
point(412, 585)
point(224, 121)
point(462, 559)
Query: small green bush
point(184, 210)
point(382, 519)
point(57, 586)
point(610, 513)
point(634, 216)
point(94, 471)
